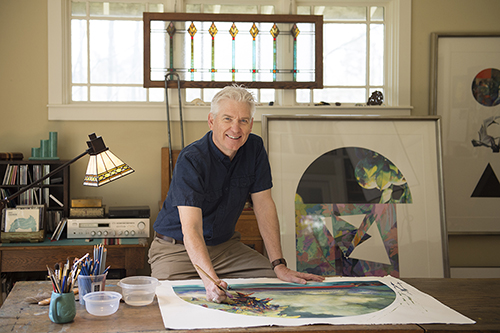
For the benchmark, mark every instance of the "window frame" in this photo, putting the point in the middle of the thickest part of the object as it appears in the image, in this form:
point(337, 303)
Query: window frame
point(397, 93)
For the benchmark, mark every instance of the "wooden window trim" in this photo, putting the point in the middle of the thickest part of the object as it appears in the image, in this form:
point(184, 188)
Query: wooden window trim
point(317, 20)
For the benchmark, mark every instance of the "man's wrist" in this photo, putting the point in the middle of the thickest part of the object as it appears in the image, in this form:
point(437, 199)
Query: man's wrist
point(280, 261)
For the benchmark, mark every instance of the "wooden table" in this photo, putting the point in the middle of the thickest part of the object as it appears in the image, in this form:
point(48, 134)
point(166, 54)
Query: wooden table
point(34, 257)
point(478, 299)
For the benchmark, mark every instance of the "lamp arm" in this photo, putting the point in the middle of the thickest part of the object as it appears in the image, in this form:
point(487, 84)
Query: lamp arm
point(50, 174)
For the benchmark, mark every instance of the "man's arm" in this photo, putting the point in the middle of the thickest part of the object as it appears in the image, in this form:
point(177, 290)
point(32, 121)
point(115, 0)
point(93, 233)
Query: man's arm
point(267, 219)
point(192, 228)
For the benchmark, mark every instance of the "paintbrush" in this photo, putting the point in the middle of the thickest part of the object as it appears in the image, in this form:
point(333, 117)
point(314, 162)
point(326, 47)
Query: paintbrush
point(228, 293)
point(46, 301)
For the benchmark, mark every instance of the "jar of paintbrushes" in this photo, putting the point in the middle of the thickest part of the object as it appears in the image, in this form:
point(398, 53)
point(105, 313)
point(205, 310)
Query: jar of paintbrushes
point(62, 302)
point(93, 272)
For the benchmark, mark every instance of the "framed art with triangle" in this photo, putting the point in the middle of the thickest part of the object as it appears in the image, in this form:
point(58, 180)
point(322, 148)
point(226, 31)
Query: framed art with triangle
point(465, 81)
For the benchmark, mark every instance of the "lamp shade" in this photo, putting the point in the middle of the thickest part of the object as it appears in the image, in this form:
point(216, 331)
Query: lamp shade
point(105, 167)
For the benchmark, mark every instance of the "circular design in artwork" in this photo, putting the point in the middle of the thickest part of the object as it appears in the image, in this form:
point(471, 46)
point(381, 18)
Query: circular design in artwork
point(486, 87)
point(287, 300)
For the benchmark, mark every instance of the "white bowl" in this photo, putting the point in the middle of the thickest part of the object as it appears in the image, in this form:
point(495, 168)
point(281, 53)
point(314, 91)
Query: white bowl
point(138, 290)
point(102, 303)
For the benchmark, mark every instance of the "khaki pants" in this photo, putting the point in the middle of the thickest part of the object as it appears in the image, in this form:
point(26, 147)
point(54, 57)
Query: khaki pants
point(231, 259)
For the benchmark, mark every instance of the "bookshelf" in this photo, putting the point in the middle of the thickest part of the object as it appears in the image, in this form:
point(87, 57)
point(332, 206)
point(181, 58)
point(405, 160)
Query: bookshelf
point(15, 174)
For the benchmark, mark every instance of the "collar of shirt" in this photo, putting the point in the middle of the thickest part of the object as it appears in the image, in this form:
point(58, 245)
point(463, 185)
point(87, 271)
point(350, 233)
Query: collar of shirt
point(223, 158)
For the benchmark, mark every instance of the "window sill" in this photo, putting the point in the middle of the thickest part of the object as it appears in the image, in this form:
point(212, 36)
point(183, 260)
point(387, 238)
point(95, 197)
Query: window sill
point(134, 112)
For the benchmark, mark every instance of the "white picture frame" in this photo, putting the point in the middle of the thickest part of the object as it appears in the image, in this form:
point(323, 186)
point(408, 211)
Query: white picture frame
point(411, 143)
point(456, 61)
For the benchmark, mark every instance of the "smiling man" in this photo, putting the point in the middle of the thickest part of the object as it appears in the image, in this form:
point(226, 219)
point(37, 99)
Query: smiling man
point(212, 180)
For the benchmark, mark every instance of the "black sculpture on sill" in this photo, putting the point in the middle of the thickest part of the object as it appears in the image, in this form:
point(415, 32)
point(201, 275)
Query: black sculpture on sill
point(377, 98)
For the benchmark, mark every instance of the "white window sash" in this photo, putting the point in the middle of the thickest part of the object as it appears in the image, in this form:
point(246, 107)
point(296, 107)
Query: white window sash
point(60, 108)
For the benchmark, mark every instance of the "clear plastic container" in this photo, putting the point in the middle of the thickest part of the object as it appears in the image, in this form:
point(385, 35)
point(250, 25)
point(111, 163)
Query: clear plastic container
point(138, 290)
point(102, 303)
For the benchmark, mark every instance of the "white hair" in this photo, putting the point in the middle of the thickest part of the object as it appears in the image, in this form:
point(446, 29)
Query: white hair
point(236, 93)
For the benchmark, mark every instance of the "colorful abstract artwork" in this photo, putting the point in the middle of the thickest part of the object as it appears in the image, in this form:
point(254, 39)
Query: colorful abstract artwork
point(336, 301)
point(285, 300)
point(351, 231)
point(486, 87)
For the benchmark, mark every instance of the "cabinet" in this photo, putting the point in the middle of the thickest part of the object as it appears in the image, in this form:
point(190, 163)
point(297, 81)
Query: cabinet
point(249, 229)
point(53, 192)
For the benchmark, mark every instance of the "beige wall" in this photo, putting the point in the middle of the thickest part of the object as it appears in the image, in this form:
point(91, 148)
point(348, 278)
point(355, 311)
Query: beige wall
point(443, 16)
point(23, 97)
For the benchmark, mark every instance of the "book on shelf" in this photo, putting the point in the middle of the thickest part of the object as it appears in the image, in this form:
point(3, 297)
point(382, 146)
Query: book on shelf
point(26, 198)
point(86, 203)
point(59, 230)
point(37, 174)
point(46, 191)
point(6, 193)
point(11, 175)
point(11, 156)
point(14, 176)
point(86, 212)
point(56, 200)
point(33, 191)
point(53, 219)
point(6, 175)
point(46, 171)
point(46, 196)
point(23, 174)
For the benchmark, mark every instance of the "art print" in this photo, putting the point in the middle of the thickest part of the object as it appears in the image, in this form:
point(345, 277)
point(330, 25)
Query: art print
point(465, 93)
point(23, 219)
point(336, 301)
point(359, 196)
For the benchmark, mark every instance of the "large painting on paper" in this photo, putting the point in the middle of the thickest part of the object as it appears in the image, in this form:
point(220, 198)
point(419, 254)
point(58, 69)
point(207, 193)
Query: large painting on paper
point(359, 196)
point(337, 301)
point(285, 300)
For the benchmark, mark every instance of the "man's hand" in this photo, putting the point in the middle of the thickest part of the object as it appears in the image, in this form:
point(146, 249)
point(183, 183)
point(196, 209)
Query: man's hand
point(285, 274)
point(214, 293)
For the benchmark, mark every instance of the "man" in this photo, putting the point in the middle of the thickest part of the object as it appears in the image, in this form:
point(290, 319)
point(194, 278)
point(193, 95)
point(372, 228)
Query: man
point(210, 185)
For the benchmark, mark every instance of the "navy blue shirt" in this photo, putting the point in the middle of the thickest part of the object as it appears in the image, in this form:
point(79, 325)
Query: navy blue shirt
point(206, 178)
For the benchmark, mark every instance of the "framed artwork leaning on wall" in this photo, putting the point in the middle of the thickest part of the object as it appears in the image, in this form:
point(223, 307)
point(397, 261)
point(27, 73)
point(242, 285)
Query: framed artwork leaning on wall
point(465, 81)
point(359, 196)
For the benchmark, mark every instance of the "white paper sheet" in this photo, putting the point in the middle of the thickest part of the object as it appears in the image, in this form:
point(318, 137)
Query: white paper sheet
point(410, 306)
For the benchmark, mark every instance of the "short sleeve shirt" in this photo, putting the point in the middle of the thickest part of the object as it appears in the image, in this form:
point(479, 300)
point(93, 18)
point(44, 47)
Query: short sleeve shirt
point(206, 178)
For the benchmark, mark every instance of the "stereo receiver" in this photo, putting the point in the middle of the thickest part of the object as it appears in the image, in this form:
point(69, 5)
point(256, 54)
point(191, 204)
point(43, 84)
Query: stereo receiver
point(108, 228)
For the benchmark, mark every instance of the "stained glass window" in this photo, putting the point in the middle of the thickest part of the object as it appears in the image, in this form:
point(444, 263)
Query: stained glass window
point(214, 50)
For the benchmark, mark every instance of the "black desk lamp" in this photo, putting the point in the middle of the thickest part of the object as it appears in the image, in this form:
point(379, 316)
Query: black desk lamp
point(103, 168)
